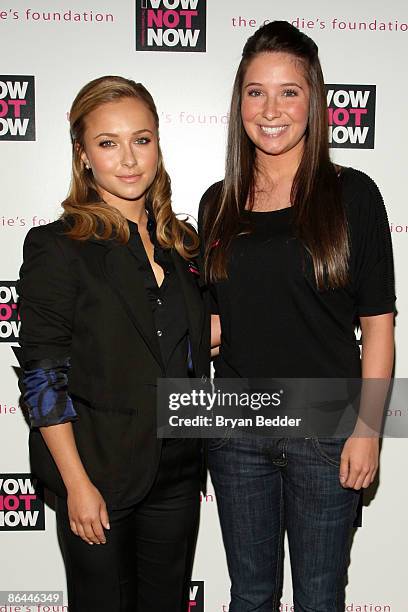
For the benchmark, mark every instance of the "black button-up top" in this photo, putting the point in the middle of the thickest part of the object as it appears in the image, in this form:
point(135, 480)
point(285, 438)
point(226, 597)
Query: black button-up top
point(166, 301)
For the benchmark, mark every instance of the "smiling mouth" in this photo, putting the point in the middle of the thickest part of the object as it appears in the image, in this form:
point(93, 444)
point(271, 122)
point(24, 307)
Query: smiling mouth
point(129, 178)
point(273, 131)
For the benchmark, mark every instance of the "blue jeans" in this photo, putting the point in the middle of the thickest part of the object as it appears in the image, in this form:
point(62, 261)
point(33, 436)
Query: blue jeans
point(264, 486)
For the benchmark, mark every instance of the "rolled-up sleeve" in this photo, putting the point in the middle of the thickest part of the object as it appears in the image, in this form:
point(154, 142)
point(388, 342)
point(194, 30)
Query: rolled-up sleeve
point(47, 293)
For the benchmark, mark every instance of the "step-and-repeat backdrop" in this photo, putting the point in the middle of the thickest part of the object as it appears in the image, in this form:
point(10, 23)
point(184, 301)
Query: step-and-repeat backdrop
point(186, 53)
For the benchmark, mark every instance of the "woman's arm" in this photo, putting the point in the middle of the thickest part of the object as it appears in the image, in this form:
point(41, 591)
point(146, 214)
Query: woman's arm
point(86, 507)
point(359, 460)
point(48, 293)
point(207, 199)
point(215, 335)
point(378, 345)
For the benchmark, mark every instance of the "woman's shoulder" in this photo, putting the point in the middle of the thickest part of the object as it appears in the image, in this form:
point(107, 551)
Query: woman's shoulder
point(362, 200)
point(57, 228)
point(208, 199)
point(212, 192)
point(356, 185)
point(50, 236)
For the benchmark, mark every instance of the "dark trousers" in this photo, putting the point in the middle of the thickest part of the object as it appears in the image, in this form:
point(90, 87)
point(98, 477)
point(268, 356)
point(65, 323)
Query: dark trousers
point(264, 486)
point(146, 563)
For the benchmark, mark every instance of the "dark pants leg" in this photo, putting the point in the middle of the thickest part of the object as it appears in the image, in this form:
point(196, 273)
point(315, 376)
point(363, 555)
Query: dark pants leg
point(319, 518)
point(264, 485)
point(249, 491)
point(146, 564)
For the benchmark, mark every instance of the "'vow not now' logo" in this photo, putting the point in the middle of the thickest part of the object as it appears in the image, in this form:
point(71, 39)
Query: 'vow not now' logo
point(351, 110)
point(196, 598)
point(171, 25)
point(17, 107)
point(9, 319)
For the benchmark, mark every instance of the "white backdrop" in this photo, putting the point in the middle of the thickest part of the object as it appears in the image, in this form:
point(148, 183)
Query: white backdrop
point(192, 92)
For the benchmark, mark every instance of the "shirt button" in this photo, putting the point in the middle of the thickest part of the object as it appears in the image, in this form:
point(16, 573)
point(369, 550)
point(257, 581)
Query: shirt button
point(159, 301)
point(159, 332)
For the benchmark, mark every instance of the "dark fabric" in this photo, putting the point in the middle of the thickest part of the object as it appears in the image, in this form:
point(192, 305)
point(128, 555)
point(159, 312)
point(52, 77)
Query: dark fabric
point(86, 301)
point(46, 387)
point(166, 302)
point(146, 563)
point(275, 323)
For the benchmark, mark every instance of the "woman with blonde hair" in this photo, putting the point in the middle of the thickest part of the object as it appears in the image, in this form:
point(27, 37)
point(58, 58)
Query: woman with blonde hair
point(109, 303)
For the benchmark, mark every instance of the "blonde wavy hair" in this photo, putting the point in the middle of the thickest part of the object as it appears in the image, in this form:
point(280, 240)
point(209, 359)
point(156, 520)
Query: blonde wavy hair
point(88, 214)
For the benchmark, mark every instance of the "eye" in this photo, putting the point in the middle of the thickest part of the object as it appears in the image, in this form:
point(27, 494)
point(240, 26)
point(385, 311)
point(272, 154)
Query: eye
point(143, 140)
point(106, 143)
point(254, 93)
point(290, 93)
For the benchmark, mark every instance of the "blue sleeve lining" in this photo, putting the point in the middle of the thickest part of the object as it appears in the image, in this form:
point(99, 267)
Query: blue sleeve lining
point(45, 392)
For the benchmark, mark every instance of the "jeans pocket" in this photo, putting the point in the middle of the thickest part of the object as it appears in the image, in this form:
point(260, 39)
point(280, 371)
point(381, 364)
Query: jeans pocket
point(214, 444)
point(329, 449)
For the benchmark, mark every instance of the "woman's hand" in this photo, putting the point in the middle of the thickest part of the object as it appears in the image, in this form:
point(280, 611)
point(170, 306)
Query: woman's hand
point(86, 507)
point(359, 462)
point(87, 513)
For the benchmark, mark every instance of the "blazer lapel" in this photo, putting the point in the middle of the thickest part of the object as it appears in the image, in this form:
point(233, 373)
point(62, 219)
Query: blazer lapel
point(121, 270)
point(194, 306)
point(124, 277)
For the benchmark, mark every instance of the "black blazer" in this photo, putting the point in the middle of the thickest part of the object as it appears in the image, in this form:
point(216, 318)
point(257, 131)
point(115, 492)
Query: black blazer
point(86, 300)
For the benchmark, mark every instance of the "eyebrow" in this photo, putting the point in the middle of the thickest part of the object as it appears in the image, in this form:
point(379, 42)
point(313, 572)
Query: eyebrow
point(281, 85)
point(116, 135)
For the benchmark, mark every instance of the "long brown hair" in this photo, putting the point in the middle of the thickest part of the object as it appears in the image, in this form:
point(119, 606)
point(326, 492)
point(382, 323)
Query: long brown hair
point(319, 217)
point(89, 215)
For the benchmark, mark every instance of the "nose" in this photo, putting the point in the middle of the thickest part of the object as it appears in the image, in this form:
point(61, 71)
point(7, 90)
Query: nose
point(128, 156)
point(271, 108)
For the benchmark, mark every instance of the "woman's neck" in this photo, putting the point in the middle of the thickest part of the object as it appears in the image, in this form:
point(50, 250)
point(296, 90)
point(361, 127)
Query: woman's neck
point(274, 180)
point(133, 210)
point(273, 169)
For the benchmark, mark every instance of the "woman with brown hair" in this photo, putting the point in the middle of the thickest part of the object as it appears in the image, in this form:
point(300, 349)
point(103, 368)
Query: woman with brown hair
point(109, 303)
point(298, 253)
